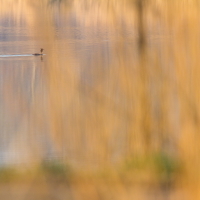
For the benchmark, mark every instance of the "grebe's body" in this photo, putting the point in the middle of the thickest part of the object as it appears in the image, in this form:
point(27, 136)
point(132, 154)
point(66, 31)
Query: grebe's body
point(39, 54)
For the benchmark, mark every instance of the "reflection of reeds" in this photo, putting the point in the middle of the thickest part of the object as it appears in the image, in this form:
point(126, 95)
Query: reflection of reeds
point(139, 115)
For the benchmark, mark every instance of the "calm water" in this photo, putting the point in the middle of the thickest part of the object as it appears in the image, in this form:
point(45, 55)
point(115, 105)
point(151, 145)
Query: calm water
point(63, 105)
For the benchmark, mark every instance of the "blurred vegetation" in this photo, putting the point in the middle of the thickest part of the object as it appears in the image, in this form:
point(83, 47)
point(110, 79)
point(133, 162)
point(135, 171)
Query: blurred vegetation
point(56, 170)
point(128, 128)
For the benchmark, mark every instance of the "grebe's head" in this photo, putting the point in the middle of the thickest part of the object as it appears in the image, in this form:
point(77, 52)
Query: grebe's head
point(41, 50)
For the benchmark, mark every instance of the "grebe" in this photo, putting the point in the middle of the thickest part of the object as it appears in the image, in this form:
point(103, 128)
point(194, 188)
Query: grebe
point(39, 54)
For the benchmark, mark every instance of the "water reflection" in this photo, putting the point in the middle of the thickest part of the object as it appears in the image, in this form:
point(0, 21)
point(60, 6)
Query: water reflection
point(118, 86)
point(44, 104)
point(91, 100)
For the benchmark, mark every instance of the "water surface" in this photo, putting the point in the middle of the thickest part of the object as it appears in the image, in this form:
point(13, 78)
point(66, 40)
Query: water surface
point(76, 102)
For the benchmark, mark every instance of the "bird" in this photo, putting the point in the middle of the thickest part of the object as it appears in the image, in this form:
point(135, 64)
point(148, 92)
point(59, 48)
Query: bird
point(39, 54)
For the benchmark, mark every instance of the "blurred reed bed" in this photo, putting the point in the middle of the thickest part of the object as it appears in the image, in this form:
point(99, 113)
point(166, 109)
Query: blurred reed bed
point(127, 130)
